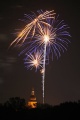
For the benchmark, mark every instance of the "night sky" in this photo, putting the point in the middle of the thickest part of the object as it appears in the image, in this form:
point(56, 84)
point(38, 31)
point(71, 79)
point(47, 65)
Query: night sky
point(62, 80)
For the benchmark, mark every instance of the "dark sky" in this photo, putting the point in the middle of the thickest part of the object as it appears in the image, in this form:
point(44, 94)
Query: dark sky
point(62, 80)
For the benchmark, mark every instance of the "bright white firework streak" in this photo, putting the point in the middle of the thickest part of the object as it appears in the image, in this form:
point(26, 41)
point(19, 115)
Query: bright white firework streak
point(43, 76)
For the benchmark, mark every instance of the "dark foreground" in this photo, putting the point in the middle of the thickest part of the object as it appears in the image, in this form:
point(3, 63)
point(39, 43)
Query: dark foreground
point(67, 110)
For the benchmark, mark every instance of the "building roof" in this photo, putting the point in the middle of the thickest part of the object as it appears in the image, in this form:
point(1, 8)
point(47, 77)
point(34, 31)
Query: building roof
point(32, 96)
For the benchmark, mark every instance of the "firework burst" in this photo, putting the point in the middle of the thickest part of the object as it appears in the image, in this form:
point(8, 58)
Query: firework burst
point(34, 23)
point(42, 36)
point(34, 60)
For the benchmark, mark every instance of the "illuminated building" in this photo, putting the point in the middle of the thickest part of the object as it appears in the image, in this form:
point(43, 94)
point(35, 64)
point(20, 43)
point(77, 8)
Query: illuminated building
point(32, 103)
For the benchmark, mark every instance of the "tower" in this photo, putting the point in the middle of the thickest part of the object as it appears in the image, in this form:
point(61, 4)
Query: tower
point(32, 103)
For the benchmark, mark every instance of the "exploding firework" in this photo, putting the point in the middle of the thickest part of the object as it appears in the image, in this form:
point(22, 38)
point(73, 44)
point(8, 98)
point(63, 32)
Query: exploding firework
point(34, 60)
point(54, 36)
point(34, 23)
point(43, 36)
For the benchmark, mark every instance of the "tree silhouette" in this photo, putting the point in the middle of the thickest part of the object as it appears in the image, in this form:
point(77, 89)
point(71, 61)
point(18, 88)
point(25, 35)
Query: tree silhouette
point(16, 103)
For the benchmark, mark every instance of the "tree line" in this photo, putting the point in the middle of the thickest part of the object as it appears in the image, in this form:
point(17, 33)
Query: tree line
point(15, 108)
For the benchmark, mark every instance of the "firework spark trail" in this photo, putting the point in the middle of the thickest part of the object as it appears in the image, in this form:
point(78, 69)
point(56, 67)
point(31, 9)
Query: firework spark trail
point(30, 28)
point(46, 40)
point(43, 76)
